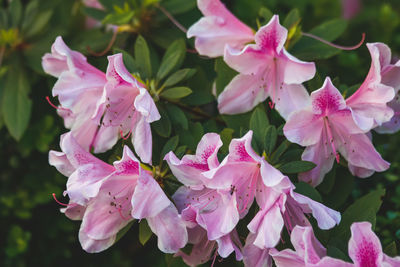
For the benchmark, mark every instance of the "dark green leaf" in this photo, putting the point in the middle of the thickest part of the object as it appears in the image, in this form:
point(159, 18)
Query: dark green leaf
point(265, 13)
point(142, 57)
point(176, 92)
point(118, 18)
point(224, 74)
point(95, 13)
point(226, 137)
point(292, 18)
point(391, 249)
point(201, 85)
point(310, 49)
point(270, 138)
point(258, 123)
point(334, 252)
point(308, 191)
point(297, 166)
point(163, 125)
point(170, 145)
point(177, 116)
point(15, 12)
point(179, 76)
point(38, 24)
point(363, 209)
point(279, 151)
point(173, 58)
point(180, 151)
point(178, 6)
point(144, 232)
point(16, 105)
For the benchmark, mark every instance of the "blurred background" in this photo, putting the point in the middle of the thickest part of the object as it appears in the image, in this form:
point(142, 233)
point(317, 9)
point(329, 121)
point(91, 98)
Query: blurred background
point(32, 230)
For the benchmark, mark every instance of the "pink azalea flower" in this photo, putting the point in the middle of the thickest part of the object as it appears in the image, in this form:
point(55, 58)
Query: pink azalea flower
point(266, 70)
point(204, 250)
point(217, 28)
point(308, 251)
point(79, 87)
point(280, 206)
point(364, 249)
point(369, 102)
point(247, 176)
point(128, 109)
point(107, 197)
point(189, 169)
point(327, 128)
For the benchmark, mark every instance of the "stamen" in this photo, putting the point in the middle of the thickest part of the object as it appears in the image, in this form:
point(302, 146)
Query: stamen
point(335, 45)
point(59, 202)
point(215, 256)
point(328, 129)
point(172, 19)
point(122, 134)
point(272, 104)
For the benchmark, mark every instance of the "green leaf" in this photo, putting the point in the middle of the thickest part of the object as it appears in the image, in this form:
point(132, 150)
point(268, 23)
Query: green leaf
point(172, 59)
point(391, 249)
point(224, 74)
point(16, 105)
point(177, 116)
point(226, 137)
point(270, 138)
point(178, 6)
point(38, 24)
point(265, 13)
point(163, 125)
point(201, 85)
point(334, 252)
point(179, 76)
point(363, 209)
point(144, 232)
point(297, 166)
point(118, 18)
point(15, 12)
point(170, 145)
point(142, 57)
point(124, 230)
point(292, 18)
point(95, 13)
point(129, 61)
point(176, 92)
point(279, 151)
point(180, 151)
point(310, 49)
point(258, 123)
point(308, 191)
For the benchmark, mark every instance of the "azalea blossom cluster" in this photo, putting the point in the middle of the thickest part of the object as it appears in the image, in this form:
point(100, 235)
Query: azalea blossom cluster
point(100, 107)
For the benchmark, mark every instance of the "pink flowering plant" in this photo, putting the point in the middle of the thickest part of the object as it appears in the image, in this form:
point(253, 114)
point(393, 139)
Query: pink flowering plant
point(216, 136)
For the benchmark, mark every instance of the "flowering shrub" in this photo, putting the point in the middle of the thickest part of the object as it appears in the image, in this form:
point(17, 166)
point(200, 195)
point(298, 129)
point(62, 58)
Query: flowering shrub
point(223, 140)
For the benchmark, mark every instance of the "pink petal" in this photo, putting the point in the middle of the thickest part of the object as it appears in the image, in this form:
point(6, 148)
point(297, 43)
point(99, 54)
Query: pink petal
point(242, 94)
point(148, 199)
point(272, 36)
point(306, 245)
point(370, 100)
point(61, 162)
point(253, 256)
point(304, 128)
point(190, 169)
point(360, 152)
point(270, 175)
point(218, 28)
point(170, 229)
point(327, 100)
point(287, 258)
point(142, 140)
point(291, 98)
point(332, 262)
point(326, 218)
point(364, 246)
point(267, 225)
point(94, 245)
point(74, 212)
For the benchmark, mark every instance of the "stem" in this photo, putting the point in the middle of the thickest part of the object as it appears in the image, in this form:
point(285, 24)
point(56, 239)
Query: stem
point(2, 50)
point(110, 44)
point(335, 45)
point(172, 19)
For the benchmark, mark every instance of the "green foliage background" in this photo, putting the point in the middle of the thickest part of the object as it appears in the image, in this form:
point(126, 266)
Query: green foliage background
point(32, 230)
